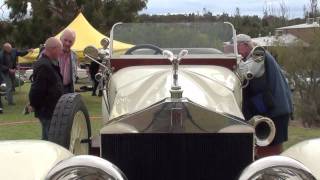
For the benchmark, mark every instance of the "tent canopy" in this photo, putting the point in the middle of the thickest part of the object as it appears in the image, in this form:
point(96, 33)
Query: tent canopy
point(85, 35)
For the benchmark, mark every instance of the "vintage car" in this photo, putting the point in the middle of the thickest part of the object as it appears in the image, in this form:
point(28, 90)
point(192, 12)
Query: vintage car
point(171, 109)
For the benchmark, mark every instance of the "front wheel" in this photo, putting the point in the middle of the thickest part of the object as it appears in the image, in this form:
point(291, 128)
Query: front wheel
point(70, 125)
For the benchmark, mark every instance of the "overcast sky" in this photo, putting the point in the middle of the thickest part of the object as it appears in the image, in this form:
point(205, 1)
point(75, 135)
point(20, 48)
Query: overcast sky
point(247, 7)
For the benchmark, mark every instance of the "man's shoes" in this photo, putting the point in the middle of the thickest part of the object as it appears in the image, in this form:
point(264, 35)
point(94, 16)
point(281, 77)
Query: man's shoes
point(93, 94)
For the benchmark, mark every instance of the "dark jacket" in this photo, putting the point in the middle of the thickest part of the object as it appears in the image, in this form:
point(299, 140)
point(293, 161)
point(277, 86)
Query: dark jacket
point(1, 79)
point(271, 90)
point(94, 68)
point(6, 64)
point(46, 88)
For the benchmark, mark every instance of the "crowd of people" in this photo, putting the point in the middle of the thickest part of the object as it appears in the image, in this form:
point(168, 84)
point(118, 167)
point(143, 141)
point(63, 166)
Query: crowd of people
point(54, 74)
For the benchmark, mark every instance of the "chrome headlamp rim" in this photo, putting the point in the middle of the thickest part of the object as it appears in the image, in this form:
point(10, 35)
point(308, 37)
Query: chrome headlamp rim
point(3, 87)
point(264, 165)
point(86, 161)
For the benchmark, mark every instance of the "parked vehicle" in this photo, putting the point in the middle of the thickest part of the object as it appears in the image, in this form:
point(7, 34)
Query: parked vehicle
point(81, 73)
point(171, 110)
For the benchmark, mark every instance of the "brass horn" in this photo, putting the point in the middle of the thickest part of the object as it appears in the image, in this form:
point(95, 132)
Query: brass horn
point(264, 130)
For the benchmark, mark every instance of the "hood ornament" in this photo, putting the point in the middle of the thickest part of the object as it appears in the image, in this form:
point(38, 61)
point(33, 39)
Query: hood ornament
point(175, 91)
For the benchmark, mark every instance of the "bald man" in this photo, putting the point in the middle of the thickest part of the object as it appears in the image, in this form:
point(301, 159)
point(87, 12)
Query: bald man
point(47, 86)
point(68, 61)
point(8, 66)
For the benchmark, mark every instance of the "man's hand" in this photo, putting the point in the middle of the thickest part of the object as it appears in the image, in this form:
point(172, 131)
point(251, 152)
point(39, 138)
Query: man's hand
point(28, 109)
point(30, 50)
point(12, 71)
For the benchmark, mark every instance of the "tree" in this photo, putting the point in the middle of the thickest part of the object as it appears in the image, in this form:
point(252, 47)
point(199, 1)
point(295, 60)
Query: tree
point(301, 62)
point(313, 10)
point(48, 17)
point(284, 11)
point(237, 14)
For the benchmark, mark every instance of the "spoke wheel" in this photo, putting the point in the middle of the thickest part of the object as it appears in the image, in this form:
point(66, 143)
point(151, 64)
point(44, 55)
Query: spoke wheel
point(70, 124)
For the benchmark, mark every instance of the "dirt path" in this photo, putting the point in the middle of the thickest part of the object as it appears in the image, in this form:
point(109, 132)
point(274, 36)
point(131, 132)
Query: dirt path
point(32, 121)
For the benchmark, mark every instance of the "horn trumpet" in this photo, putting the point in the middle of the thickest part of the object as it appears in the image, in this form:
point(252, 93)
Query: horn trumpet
point(264, 130)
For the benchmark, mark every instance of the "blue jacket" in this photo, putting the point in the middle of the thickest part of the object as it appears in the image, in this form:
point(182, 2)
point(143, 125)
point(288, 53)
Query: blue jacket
point(6, 65)
point(271, 91)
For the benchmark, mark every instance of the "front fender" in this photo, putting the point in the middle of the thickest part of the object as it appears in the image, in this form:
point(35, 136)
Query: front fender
point(29, 159)
point(308, 153)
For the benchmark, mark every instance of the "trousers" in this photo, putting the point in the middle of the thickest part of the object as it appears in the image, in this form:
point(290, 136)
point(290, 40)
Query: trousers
point(9, 85)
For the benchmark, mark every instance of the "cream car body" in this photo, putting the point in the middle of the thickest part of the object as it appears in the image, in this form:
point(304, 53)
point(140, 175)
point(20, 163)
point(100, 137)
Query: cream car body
point(29, 159)
point(135, 88)
point(308, 153)
point(44, 160)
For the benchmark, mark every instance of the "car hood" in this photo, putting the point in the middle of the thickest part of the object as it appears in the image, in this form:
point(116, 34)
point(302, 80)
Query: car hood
point(135, 88)
point(29, 159)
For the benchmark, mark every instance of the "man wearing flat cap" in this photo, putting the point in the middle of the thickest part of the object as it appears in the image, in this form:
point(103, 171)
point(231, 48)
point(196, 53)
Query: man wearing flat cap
point(275, 97)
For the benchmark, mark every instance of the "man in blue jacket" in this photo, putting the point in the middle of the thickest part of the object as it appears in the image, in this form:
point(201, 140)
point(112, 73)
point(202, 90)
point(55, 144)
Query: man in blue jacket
point(8, 67)
point(272, 92)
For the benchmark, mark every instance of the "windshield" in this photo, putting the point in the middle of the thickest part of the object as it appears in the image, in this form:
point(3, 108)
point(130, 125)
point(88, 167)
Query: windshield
point(152, 38)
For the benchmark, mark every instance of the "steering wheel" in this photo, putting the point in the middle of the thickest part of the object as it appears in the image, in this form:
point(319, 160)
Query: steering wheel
point(157, 50)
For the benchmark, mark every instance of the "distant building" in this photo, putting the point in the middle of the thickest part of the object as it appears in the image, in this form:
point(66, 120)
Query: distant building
point(282, 40)
point(304, 31)
point(278, 40)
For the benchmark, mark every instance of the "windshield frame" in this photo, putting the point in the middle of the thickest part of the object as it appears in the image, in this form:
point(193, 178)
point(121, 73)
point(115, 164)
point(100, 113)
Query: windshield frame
point(234, 38)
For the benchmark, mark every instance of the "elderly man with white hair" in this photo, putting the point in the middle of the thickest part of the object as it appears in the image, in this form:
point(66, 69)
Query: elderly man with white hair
point(268, 95)
point(68, 61)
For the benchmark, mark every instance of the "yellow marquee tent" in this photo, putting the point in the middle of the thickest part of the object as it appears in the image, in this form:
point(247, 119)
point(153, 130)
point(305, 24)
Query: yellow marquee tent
point(85, 35)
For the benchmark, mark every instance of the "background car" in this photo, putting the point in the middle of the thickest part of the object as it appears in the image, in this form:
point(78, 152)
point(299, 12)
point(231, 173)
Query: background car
point(81, 73)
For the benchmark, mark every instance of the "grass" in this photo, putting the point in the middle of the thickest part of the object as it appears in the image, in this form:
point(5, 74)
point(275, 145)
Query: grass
point(298, 134)
point(31, 129)
point(15, 113)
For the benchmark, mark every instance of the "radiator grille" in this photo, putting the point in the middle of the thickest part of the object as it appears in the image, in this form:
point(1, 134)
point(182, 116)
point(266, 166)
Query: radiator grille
point(179, 156)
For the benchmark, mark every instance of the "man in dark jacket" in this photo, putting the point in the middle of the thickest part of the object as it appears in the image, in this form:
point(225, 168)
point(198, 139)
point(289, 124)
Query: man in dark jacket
point(8, 67)
point(2, 87)
point(94, 69)
point(47, 86)
point(268, 95)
